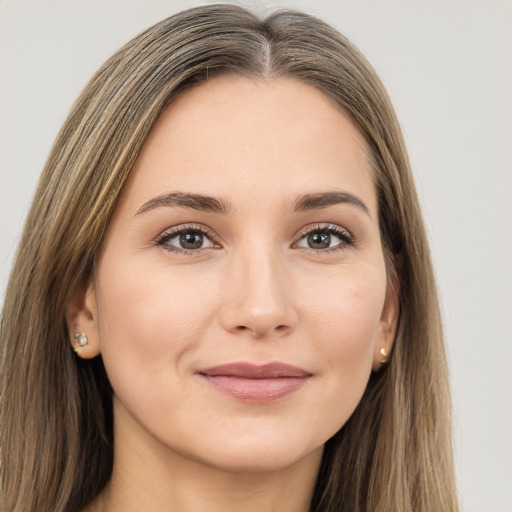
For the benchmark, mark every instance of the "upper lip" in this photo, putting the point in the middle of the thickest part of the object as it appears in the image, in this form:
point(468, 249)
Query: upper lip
point(254, 371)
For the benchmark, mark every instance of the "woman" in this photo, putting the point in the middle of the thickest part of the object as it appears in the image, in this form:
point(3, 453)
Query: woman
point(227, 235)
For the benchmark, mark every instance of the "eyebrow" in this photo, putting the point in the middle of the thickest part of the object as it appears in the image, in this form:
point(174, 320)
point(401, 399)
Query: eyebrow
point(205, 203)
point(185, 200)
point(325, 199)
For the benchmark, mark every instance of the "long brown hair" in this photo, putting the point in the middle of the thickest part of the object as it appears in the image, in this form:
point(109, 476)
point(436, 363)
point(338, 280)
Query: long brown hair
point(394, 453)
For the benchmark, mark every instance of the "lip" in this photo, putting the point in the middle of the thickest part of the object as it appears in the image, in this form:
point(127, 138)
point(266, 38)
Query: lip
point(256, 383)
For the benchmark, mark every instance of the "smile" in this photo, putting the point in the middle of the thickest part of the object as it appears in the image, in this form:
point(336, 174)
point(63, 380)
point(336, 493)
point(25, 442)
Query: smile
point(256, 384)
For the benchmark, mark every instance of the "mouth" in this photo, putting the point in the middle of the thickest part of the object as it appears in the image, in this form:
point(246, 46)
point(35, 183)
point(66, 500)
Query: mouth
point(256, 383)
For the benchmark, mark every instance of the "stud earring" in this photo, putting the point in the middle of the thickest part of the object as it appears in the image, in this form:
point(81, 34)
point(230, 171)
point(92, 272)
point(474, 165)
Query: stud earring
point(80, 339)
point(384, 359)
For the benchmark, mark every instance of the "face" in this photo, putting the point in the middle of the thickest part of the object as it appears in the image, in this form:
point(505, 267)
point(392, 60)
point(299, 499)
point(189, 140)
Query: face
point(240, 297)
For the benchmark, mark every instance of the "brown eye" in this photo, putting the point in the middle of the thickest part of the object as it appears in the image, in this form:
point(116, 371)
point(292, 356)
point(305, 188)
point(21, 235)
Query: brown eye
point(319, 240)
point(185, 240)
point(191, 240)
point(322, 238)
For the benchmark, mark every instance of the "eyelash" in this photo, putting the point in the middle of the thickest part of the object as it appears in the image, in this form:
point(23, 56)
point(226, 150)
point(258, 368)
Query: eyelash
point(173, 232)
point(343, 234)
point(347, 240)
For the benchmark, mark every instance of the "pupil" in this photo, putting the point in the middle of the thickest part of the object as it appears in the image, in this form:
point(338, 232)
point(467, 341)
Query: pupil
point(320, 240)
point(191, 240)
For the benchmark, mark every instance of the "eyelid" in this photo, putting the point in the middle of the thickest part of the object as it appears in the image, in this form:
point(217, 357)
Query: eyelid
point(344, 234)
point(181, 228)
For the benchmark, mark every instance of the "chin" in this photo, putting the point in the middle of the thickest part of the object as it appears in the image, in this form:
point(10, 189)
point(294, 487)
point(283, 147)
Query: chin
point(260, 461)
point(255, 453)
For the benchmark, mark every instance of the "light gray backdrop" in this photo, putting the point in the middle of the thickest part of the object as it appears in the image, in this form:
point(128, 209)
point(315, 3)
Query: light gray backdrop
point(448, 67)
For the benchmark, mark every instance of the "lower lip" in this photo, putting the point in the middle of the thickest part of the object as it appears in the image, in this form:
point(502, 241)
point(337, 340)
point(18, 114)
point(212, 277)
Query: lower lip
point(256, 390)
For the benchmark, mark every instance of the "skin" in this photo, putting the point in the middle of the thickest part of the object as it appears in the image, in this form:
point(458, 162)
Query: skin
point(255, 291)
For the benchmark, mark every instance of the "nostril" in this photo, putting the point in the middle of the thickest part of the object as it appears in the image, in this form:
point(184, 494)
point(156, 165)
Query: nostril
point(278, 329)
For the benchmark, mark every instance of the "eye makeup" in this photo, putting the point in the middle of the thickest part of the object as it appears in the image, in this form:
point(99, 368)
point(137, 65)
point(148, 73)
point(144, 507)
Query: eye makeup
point(318, 238)
point(189, 238)
point(192, 238)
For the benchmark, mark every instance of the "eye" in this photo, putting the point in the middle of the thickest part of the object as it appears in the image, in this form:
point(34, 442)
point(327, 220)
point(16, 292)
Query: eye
point(185, 239)
point(325, 237)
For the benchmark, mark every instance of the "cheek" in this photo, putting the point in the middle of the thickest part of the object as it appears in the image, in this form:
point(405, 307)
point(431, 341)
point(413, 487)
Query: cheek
point(149, 322)
point(348, 309)
point(344, 326)
point(155, 318)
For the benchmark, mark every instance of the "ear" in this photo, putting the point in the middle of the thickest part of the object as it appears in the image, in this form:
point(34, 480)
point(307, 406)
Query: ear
point(81, 317)
point(387, 325)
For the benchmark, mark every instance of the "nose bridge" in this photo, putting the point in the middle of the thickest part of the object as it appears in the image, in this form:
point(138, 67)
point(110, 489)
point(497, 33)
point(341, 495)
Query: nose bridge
point(259, 299)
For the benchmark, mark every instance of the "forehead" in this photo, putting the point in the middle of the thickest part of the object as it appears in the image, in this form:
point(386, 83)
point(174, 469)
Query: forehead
point(231, 135)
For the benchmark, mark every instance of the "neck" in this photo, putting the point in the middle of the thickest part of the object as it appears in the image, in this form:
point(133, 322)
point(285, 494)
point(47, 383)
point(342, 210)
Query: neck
point(147, 476)
point(212, 492)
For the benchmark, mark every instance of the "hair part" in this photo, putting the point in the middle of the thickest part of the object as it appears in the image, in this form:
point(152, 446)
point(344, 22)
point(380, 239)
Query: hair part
point(56, 438)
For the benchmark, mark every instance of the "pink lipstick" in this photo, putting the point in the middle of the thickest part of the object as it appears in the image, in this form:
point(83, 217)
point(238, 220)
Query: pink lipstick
point(255, 383)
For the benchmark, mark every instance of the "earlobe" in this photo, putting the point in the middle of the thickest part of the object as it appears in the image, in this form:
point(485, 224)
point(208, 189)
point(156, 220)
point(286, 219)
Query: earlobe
point(81, 321)
point(387, 326)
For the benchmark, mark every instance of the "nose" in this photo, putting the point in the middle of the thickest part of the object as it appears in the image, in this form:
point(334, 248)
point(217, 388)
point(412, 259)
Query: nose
point(259, 297)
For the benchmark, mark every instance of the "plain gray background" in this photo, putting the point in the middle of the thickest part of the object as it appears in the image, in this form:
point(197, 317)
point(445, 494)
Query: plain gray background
point(448, 68)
